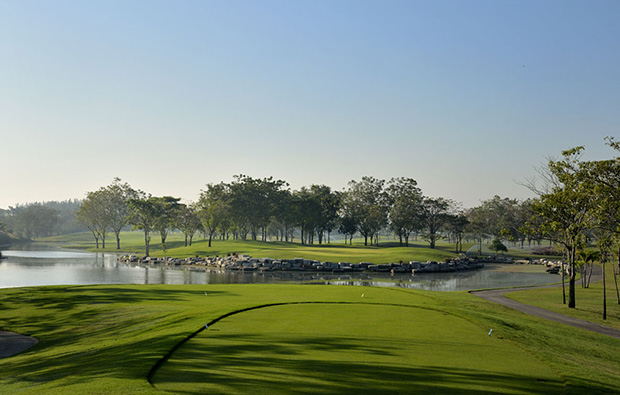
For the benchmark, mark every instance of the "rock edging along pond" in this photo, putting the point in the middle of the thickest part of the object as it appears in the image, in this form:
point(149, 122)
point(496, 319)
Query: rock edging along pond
point(246, 263)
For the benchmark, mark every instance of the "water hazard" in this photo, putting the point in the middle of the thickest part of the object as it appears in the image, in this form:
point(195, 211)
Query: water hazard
point(35, 265)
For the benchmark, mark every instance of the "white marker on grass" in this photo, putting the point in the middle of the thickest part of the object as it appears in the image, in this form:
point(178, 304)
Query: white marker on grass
point(206, 326)
point(490, 332)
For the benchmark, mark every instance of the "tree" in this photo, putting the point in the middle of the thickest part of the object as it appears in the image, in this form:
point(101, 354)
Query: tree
point(307, 209)
point(566, 208)
point(605, 176)
point(107, 209)
point(116, 197)
point(252, 204)
point(187, 221)
point(406, 211)
point(348, 224)
point(213, 207)
point(91, 213)
point(167, 208)
point(497, 246)
point(457, 224)
point(143, 215)
point(329, 204)
point(435, 215)
point(368, 203)
point(33, 221)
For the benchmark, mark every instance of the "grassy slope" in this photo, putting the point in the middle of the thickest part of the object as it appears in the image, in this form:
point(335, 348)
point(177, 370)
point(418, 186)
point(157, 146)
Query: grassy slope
point(104, 339)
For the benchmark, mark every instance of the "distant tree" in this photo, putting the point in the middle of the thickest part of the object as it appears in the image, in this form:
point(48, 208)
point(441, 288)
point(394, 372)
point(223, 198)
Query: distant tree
point(368, 203)
point(435, 216)
point(457, 224)
point(116, 199)
point(348, 224)
point(33, 221)
point(406, 209)
point(497, 246)
point(213, 208)
point(253, 204)
point(167, 208)
point(329, 204)
point(143, 214)
point(92, 214)
point(187, 221)
point(307, 209)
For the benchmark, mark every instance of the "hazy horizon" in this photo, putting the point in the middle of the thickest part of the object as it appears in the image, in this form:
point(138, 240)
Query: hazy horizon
point(467, 98)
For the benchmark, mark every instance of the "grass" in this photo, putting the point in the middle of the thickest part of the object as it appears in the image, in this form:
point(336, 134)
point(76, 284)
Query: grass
point(295, 339)
point(589, 301)
point(388, 250)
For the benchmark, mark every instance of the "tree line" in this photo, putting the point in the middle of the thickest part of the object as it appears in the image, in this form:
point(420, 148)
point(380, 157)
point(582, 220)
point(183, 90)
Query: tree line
point(254, 208)
point(39, 219)
point(577, 206)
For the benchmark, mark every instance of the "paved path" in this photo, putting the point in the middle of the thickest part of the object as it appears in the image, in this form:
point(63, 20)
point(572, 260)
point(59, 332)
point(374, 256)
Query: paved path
point(13, 343)
point(497, 296)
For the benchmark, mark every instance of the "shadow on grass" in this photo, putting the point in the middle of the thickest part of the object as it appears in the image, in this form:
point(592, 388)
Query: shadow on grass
point(209, 369)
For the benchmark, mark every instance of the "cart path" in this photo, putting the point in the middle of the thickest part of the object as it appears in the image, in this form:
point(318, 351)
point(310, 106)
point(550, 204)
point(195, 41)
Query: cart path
point(14, 343)
point(497, 296)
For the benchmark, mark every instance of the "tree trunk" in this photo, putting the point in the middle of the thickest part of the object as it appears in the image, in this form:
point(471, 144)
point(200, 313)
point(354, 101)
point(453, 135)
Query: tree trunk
point(616, 278)
point(146, 243)
point(118, 240)
point(571, 287)
point(563, 284)
point(604, 294)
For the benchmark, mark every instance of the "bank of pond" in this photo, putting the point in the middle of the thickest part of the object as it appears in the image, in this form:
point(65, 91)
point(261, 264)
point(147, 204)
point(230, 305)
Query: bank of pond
point(235, 262)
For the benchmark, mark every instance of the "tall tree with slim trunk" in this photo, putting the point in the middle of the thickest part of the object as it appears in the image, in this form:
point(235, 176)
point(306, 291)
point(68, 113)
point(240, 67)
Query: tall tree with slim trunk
point(92, 214)
point(187, 221)
point(214, 207)
point(143, 215)
point(566, 209)
point(406, 209)
point(167, 208)
point(116, 197)
point(367, 202)
point(435, 216)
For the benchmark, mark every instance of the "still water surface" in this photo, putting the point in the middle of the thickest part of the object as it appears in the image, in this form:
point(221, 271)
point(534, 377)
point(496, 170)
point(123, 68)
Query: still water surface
point(35, 265)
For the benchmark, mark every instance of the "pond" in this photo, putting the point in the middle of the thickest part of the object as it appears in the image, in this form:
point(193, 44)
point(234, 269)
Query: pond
point(34, 265)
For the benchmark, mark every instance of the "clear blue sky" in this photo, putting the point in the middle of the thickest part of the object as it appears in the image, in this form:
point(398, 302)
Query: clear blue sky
point(466, 97)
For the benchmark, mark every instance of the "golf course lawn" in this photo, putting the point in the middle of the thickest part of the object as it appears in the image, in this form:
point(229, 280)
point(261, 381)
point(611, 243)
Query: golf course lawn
point(350, 348)
point(281, 338)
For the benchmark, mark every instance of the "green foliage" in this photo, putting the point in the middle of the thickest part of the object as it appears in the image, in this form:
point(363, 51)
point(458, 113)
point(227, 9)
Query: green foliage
point(497, 246)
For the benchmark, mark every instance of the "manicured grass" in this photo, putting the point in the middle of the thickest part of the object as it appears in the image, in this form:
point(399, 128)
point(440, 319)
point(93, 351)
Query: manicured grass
point(589, 301)
point(317, 339)
point(387, 252)
point(353, 348)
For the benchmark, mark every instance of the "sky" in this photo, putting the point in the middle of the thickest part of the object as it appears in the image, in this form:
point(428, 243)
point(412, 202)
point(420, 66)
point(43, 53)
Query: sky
point(466, 97)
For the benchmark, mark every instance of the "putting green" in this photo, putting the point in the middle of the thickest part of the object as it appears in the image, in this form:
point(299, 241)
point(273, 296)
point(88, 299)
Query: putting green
point(351, 348)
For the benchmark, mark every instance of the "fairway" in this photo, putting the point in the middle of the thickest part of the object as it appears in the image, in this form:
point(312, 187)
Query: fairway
point(350, 348)
point(294, 339)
